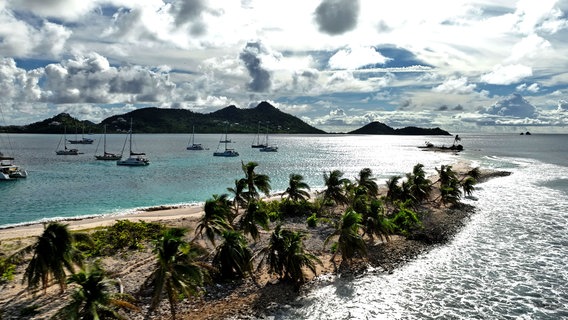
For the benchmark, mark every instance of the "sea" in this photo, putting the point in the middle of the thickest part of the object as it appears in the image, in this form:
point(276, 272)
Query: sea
point(510, 260)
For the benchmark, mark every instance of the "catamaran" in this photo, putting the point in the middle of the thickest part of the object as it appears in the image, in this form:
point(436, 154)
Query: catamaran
point(10, 171)
point(256, 142)
point(65, 151)
point(227, 152)
point(83, 140)
point(192, 145)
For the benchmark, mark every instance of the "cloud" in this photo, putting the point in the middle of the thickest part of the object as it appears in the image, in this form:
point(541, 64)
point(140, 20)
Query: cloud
point(16, 84)
point(189, 12)
point(250, 56)
point(505, 75)
point(533, 88)
point(357, 57)
point(69, 10)
point(336, 17)
point(512, 106)
point(91, 79)
point(562, 105)
point(455, 86)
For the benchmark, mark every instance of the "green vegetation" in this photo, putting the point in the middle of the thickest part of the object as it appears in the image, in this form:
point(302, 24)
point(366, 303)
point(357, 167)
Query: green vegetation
point(124, 234)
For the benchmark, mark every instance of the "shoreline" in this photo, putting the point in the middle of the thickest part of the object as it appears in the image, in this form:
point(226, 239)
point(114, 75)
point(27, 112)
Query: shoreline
point(245, 298)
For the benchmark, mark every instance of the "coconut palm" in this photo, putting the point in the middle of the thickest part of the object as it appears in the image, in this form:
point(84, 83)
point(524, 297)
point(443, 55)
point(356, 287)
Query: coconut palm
point(367, 181)
point(93, 298)
point(394, 191)
point(215, 218)
point(296, 190)
point(376, 223)
point(349, 241)
point(253, 217)
point(176, 272)
point(286, 256)
point(237, 191)
point(233, 258)
point(53, 254)
point(420, 186)
point(335, 187)
point(468, 185)
point(254, 182)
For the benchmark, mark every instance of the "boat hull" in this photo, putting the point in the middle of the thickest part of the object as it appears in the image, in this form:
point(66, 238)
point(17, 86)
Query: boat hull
point(226, 153)
point(134, 162)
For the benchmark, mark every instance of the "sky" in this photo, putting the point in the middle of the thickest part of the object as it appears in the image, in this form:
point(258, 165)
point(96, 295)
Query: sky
point(464, 66)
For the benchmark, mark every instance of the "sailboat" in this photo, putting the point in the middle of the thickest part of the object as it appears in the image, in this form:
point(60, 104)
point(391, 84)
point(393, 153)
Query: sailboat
point(83, 140)
point(65, 151)
point(192, 145)
point(106, 155)
point(256, 142)
point(227, 152)
point(10, 171)
point(268, 147)
point(136, 159)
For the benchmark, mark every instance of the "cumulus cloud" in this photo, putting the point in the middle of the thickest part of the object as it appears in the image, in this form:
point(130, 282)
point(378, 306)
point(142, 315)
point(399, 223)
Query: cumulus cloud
point(356, 57)
point(562, 105)
point(455, 86)
point(533, 88)
point(509, 74)
point(189, 12)
point(91, 79)
point(70, 10)
point(251, 57)
point(17, 84)
point(336, 17)
point(512, 106)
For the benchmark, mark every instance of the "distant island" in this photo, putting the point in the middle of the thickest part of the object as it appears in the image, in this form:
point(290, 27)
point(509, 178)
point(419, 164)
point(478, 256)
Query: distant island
point(264, 117)
point(381, 128)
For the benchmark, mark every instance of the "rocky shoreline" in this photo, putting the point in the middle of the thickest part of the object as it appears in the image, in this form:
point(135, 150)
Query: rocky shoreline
point(248, 298)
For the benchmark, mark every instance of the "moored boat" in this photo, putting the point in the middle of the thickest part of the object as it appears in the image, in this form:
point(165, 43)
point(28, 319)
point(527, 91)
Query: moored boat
point(136, 159)
point(107, 155)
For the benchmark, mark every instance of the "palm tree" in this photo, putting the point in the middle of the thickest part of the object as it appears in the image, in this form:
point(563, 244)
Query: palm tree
point(93, 298)
point(254, 181)
point(468, 185)
point(215, 218)
point(53, 253)
point(375, 222)
point(394, 191)
point(420, 186)
point(176, 272)
point(335, 187)
point(296, 190)
point(254, 215)
point(367, 181)
point(233, 258)
point(286, 256)
point(349, 241)
point(239, 199)
point(450, 192)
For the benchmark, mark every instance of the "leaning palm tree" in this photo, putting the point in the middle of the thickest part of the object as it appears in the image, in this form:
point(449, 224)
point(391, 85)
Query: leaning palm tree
point(286, 256)
point(296, 190)
point(420, 186)
point(335, 187)
point(253, 217)
point(176, 273)
point(233, 258)
point(215, 218)
point(367, 182)
point(349, 241)
point(238, 194)
point(93, 298)
point(53, 254)
point(394, 191)
point(255, 182)
point(468, 185)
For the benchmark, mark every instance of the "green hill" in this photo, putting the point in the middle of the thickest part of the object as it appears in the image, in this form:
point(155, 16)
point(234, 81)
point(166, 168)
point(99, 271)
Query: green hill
point(156, 120)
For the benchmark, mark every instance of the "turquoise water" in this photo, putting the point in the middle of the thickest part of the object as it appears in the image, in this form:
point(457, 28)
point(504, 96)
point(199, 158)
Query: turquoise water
point(75, 186)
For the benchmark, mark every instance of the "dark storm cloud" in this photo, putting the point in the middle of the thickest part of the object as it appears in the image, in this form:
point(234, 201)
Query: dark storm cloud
point(337, 16)
point(250, 56)
point(186, 11)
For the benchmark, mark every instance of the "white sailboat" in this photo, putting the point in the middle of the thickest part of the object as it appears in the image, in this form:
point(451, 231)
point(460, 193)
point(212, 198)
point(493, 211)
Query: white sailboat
point(135, 159)
point(10, 171)
point(83, 140)
point(65, 151)
point(227, 152)
point(268, 147)
point(192, 145)
point(106, 155)
point(256, 142)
